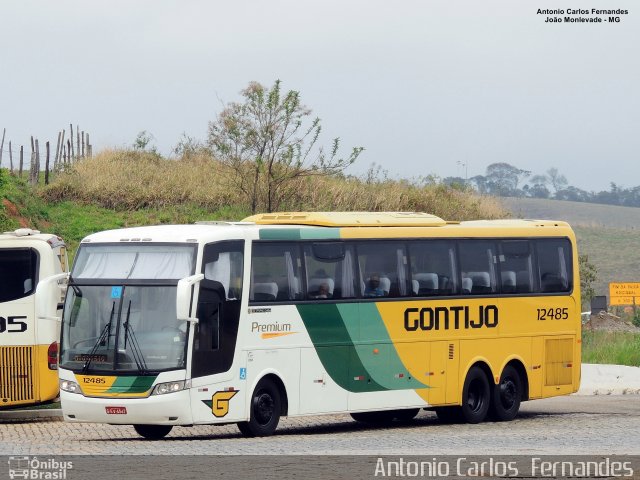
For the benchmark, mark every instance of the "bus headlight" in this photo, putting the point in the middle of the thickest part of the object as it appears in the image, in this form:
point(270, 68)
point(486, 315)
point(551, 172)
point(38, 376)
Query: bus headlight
point(69, 386)
point(170, 387)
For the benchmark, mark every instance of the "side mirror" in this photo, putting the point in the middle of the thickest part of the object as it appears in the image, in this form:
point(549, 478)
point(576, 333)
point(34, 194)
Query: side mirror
point(48, 294)
point(184, 296)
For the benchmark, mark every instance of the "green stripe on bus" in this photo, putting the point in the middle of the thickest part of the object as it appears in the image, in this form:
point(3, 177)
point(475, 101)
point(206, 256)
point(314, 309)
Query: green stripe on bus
point(378, 353)
point(132, 384)
point(325, 324)
point(318, 233)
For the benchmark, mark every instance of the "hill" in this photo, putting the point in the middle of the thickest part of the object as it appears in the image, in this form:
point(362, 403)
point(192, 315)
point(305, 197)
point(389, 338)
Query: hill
point(608, 234)
point(122, 188)
point(576, 213)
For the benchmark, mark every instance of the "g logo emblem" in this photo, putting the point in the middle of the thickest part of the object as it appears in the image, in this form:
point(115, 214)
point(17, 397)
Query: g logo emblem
point(220, 402)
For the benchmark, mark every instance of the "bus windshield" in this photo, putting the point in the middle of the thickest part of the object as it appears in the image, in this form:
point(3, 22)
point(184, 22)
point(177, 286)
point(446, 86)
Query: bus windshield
point(120, 310)
point(122, 328)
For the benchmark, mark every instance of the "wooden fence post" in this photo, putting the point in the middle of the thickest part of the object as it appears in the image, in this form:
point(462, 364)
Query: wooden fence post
point(4, 130)
point(71, 147)
point(10, 158)
point(46, 167)
point(55, 160)
point(32, 161)
point(21, 159)
point(36, 165)
point(78, 142)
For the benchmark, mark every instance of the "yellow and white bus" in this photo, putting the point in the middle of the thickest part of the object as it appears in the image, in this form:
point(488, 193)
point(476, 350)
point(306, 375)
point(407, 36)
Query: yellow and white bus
point(28, 348)
point(373, 314)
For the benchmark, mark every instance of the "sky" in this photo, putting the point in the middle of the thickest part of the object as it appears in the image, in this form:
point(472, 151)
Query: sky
point(440, 87)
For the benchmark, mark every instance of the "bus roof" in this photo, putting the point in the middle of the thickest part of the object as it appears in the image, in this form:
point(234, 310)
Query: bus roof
point(321, 225)
point(349, 219)
point(27, 234)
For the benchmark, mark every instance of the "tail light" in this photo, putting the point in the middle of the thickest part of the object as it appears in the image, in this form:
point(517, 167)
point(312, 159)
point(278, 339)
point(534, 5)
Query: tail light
point(52, 356)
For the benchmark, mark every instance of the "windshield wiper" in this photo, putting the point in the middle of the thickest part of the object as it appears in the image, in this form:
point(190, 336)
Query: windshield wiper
point(136, 352)
point(105, 334)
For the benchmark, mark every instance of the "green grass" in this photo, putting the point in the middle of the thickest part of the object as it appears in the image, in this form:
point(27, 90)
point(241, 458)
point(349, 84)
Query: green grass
point(618, 348)
point(74, 220)
point(615, 253)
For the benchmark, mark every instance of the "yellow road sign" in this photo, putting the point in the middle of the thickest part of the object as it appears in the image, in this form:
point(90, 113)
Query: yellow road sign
point(627, 289)
point(622, 301)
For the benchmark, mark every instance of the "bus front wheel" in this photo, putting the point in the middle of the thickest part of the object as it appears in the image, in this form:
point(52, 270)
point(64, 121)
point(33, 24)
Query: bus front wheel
point(265, 409)
point(476, 396)
point(153, 432)
point(507, 395)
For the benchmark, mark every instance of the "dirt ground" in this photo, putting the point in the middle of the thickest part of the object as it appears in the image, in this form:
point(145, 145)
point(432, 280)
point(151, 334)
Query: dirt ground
point(609, 322)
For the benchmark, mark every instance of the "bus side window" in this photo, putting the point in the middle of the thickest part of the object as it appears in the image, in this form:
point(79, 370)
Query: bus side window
point(275, 272)
point(383, 269)
point(330, 270)
point(554, 265)
point(516, 266)
point(433, 268)
point(478, 262)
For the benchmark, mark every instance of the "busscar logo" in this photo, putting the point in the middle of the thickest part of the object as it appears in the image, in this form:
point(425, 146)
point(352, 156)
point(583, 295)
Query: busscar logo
point(35, 468)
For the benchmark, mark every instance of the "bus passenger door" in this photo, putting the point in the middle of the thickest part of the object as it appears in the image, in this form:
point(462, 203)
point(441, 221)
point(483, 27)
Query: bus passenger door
point(215, 334)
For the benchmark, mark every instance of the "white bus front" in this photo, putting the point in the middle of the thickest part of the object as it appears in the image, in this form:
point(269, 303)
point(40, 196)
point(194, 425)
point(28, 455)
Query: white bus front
point(121, 341)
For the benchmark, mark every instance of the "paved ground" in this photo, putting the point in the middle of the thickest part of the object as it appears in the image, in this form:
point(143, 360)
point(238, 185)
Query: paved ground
point(599, 425)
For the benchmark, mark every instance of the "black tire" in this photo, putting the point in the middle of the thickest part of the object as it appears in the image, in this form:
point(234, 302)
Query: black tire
point(406, 415)
point(476, 396)
point(505, 401)
point(265, 409)
point(449, 414)
point(153, 432)
point(374, 418)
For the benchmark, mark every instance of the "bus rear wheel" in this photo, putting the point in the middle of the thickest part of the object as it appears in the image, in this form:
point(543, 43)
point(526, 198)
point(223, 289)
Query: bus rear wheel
point(265, 409)
point(507, 395)
point(476, 396)
point(153, 432)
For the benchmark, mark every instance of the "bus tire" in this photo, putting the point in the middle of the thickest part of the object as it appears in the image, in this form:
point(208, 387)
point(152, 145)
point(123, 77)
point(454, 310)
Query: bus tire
point(153, 432)
point(265, 409)
point(507, 395)
point(476, 396)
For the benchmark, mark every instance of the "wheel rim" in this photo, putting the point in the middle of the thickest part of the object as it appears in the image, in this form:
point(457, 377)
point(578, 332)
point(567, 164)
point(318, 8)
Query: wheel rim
point(475, 396)
point(508, 393)
point(264, 408)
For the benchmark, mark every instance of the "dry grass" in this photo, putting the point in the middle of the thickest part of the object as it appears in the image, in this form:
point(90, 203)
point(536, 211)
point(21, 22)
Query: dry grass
point(131, 180)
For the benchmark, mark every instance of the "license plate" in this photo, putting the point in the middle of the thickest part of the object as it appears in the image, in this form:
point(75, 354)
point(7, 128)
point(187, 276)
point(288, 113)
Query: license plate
point(116, 410)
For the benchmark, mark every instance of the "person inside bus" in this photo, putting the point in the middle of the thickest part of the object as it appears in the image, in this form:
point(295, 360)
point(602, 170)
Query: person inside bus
point(373, 287)
point(323, 291)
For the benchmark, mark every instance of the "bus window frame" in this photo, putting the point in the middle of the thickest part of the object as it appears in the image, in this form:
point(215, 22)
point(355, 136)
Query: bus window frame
point(458, 273)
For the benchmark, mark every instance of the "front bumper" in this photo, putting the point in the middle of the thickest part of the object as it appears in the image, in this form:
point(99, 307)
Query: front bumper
point(168, 409)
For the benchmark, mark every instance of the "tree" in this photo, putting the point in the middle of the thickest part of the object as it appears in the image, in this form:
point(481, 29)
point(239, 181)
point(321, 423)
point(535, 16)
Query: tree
point(558, 182)
point(142, 143)
point(588, 276)
point(537, 187)
point(503, 179)
point(189, 146)
point(266, 145)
